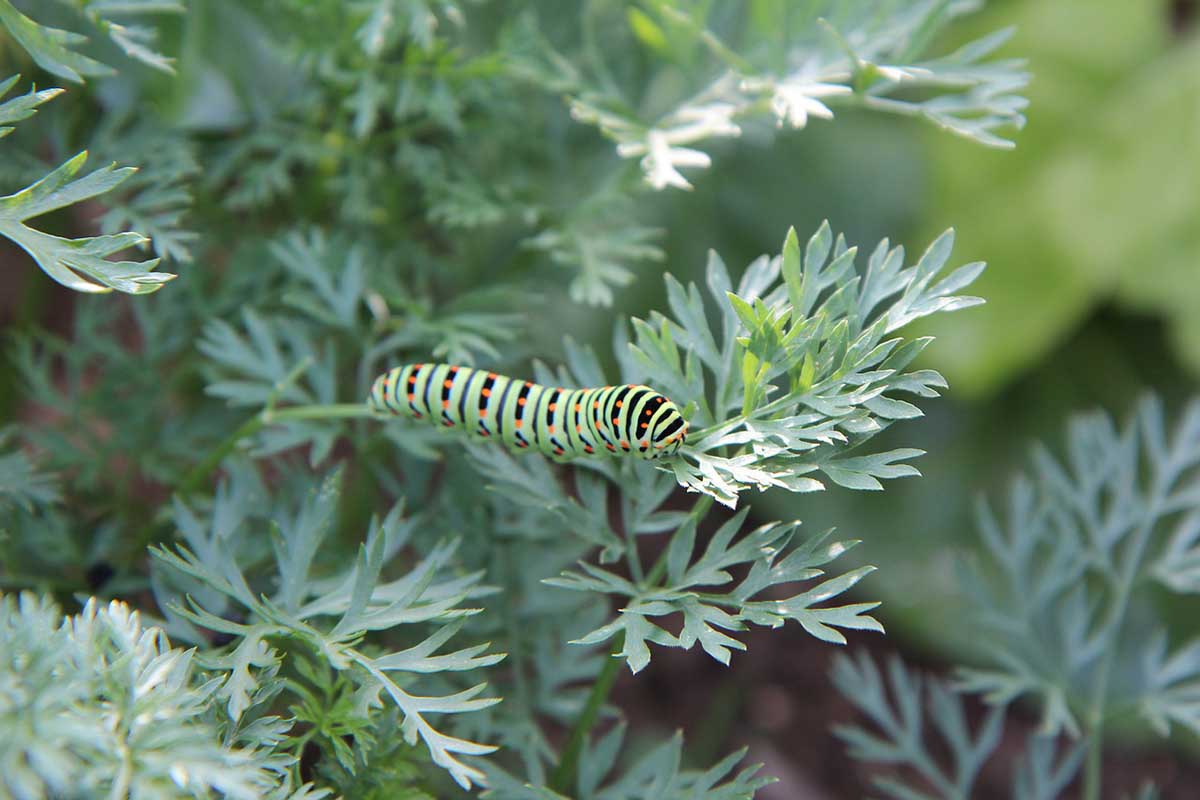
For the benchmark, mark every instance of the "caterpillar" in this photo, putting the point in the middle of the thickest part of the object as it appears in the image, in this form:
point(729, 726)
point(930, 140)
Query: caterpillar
point(560, 423)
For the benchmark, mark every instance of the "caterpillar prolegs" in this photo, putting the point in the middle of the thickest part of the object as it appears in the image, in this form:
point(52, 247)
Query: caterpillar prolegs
point(560, 423)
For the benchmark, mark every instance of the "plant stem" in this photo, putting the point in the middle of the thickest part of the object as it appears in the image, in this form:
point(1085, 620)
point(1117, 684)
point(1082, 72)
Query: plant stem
point(198, 473)
point(631, 551)
point(564, 773)
point(330, 411)
point(699, 511)
point(1092, 785)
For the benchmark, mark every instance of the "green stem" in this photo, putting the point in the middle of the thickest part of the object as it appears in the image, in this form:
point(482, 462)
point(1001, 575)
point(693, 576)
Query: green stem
point(198, 473)
point(699, 511)
point(330, 411)
point(1091, 770)
point(564, 773)
point(730, 424)
point(120, 786)
point(1092, 783)
point(631, 551)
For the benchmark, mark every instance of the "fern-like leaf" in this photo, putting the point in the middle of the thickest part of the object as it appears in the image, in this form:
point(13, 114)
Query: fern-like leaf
point(78, 264)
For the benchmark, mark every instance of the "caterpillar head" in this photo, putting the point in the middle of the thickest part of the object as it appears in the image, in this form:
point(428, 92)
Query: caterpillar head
point(668, 430)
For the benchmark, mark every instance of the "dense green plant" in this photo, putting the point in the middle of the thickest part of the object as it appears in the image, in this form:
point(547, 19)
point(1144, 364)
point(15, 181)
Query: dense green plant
point(347, 186)
point(98, 704)
point(1065, 594)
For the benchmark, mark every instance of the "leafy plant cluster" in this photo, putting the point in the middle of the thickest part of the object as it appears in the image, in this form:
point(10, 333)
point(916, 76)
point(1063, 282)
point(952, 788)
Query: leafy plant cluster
point(803, 61)
point(98, 703)
point(343, 187)
point(1064, 590)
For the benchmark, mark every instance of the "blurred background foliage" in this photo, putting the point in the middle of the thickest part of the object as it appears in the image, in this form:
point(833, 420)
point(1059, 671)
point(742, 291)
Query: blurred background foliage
point(1091, 231)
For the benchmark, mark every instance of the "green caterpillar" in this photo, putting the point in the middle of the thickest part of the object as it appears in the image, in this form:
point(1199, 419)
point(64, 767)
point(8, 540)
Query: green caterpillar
point(560, 423)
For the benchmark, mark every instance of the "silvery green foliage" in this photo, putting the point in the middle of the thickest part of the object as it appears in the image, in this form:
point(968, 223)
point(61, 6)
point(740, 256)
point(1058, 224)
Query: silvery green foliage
point(86, 375)
point(1064, 592)
point(23, 107)
point(801, 365)
point(276, 359)
point(834, 53)
point(296, 353)
point(907, 714)
point(21, 484)
point(793, 377)
point(323, 616)
point(79, 264)
point(155, 200)
point(1063, 595)
point(124, 23)
point(600, 254)
point(99, 704)
point(697, 584)
point(550, 678)
point(658, 772)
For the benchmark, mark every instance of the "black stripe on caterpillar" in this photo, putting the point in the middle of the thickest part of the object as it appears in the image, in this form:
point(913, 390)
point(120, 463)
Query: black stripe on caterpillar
point(560, 423)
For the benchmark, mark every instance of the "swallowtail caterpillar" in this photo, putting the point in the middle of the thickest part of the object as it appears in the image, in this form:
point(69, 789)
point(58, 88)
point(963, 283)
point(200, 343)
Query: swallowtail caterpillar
point(560, 423)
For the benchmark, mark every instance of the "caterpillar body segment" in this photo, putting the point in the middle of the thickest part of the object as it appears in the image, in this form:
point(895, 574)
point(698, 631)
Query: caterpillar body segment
point(560, 423)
